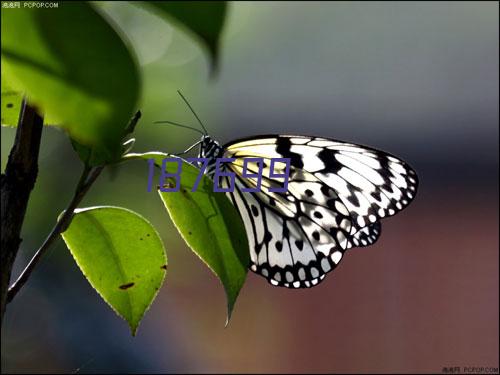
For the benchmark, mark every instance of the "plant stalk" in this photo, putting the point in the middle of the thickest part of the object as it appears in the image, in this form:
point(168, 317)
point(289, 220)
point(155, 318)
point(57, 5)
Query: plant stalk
point(17, 182)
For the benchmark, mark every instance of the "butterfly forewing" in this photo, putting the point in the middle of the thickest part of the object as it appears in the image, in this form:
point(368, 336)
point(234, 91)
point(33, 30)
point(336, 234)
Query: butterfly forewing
point(372, 184)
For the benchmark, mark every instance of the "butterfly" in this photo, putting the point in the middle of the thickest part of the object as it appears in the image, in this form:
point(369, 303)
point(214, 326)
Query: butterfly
point(337, 194)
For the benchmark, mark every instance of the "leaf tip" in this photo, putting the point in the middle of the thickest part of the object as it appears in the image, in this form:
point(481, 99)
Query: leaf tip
point(133, 329)
point(214, 69)
point(228, 318)
point(230, 307)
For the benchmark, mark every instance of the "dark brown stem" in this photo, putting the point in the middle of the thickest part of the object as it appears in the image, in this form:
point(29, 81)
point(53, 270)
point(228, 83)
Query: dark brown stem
point(88, 177)
point(16, 185)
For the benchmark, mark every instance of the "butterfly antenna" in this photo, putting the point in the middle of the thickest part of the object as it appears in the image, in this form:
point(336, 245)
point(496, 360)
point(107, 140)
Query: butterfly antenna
point(179, 125)
point(192, 110)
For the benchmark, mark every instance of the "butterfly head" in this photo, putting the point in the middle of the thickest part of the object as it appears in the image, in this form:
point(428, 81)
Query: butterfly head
point(209, 148)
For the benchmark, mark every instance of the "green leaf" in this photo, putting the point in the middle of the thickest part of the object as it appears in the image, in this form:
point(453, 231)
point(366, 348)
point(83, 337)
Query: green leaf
point(86, 153)
point(204, 19)
point(12, 99)
point(121, 255)
point(210, 225)
point(75, 68)
point(11, 103)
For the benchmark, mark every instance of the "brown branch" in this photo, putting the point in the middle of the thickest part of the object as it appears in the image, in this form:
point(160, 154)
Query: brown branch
point(89, 175)
point(16, 185)
point(87, 179)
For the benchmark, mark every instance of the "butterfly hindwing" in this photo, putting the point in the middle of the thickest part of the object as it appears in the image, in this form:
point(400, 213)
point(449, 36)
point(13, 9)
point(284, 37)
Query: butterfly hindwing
point(295, 237)
point(365, 236)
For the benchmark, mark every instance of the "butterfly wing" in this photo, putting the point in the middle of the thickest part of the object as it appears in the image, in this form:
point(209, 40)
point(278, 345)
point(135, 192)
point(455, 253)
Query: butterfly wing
point(355, 185)
point(295, 237)
point(365, 236)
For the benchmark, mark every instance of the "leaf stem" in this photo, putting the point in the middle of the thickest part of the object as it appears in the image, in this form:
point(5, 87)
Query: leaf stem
point(87, 178)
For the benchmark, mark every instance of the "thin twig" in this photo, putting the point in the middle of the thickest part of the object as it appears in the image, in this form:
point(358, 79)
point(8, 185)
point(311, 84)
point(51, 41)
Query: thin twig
point(88, 177)
point(132, 123)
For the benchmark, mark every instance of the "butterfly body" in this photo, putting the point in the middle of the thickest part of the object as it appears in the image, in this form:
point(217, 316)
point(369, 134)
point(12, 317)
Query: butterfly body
point(210, 150)
point(337, 194)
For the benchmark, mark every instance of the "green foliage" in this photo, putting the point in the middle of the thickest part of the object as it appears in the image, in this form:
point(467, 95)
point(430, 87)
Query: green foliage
point(121, 255)
point(11, 104)
point(204, 19)
point(76, 69)
point(78, 72)
point(86, 82)
point(209, 224)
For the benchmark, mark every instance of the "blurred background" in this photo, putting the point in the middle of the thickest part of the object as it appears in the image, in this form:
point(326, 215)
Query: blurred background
point(419, 80)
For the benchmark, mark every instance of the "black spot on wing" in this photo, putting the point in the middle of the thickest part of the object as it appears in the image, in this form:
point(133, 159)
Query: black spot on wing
point(283, 146)
point(286, 231)
point(327, 156)
point(354, 200)
point(326, 190)
point(331, 204)
point(366, 236)
point(376, 195)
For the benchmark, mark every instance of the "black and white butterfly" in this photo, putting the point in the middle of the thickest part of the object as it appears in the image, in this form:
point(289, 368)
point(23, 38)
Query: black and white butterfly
point(337, 194)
